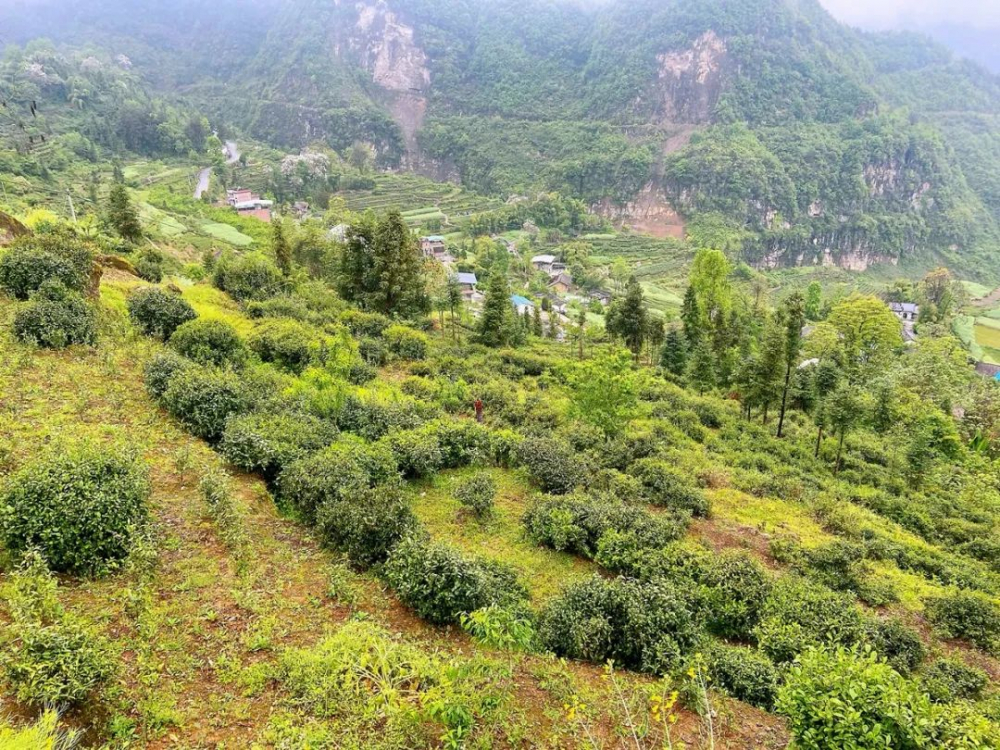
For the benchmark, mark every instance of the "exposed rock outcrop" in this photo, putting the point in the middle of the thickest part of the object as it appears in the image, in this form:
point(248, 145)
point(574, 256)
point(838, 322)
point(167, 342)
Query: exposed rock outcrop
point(690, 81)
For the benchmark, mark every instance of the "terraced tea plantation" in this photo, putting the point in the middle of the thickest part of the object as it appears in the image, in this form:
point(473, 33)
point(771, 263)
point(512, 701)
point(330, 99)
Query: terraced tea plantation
point(420, 199)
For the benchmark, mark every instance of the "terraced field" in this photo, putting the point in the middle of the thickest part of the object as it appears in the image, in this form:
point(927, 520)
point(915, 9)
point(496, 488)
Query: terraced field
point(661, 266)
point(419, 198)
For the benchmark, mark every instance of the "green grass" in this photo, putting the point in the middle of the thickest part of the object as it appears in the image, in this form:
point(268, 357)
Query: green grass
point(226, 233)
point(976, 290)
point(500, 537)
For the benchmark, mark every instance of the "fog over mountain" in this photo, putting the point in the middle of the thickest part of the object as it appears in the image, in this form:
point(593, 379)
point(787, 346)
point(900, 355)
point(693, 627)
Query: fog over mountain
point(969, 27)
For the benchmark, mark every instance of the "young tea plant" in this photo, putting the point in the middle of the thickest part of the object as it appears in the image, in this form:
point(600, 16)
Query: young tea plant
point(478, 494)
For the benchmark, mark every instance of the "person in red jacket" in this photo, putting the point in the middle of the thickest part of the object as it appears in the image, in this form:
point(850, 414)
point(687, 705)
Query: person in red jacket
point(479, 410)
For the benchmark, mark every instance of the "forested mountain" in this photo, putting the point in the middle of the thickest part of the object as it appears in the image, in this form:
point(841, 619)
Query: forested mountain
point(765, 124)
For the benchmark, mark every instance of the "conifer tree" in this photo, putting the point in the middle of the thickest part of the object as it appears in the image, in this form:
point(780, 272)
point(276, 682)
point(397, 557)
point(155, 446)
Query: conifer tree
point(537, 321)
point(381, 268)
point(280, 247)
point(453, 294)
point(701, 368)
point(691, 317)
point(794, 319)
point(122, 215)
point(497, 321)
point(626, 318)
point(673, 357)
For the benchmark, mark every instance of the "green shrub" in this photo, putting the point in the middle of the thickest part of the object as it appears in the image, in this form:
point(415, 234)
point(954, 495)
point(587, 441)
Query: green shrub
point(745, 674)
point(647, 626)
point(577, 524)
point(247, 277)
point(366, 524)
point(948, 680)
point(417, 452)
point(269, 442)
point(286, 306)
point(289, 344)
point(551, 463)
point(334, 473)
point(365, 325)
point(49, 657)
point(208, 342)
point(373, 352)
point(463, 441)
point(79, 504)
point(149, 269)
point(738, 588)
point(32, 260)
point(55, 318)
point(161, 369)
point(405, 343)
point(372, 417)
point(57, 664)
point(361, 373)
point(477, 493)
point(798, 615)
point(897, 644)
point(204, 399)
point(441, 585)
point(158, 313)
point(665, 486)
point(614, 485)
point(839, 700)
point(969, 615)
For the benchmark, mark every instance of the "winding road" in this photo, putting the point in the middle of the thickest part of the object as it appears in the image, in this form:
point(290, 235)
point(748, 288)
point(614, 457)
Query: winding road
point(232, 153)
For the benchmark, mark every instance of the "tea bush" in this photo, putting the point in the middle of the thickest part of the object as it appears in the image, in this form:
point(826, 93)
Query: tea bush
point(366, 524)
point(666, 487)
point(406, 343)
point(843, 700)
point(32, 260)
point(289, 344)
point(899, 645)
point(208, 342)
point(161, 369)
point(969, 615)
point(417, 452)
point(372, 417)
point(204, 399)
point(578, 524)
point(738, 588)
point(441, 585)
point(249, 276)
point(477, 493)
point(334, 473)
point(269, 442)
point(948, 680)
point(55, 318)
point(463, 441)
point(365, 325)
point(158, 313)
point(745, 674)
point(79, 504)
point(647, 626)
point(373, 352)
point(798, 615)
point(551, 464)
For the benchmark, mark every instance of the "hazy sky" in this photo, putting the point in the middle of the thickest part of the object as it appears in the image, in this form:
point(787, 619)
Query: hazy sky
point(894, 14)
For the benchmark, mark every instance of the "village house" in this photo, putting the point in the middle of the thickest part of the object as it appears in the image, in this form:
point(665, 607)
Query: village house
point(510, 245)
point(561, 283)
point(248, 203)
point(467, 281)
point(521, 304)
point(432, 246)
point(338, 233)
point(905, 311)
point(601, 296)
point(543, 262)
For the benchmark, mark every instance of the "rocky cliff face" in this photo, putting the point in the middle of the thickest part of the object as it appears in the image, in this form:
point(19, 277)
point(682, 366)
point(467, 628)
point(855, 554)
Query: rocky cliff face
point(385, 47)
point(690, 81)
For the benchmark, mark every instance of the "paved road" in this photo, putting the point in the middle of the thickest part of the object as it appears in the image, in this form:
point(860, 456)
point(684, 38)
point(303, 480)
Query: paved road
point(203, 176)
point(232, 152)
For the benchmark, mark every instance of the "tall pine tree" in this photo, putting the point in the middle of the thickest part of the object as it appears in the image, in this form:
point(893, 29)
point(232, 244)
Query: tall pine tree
point(794, 319)
point(280, 247)
point(673, 357)
point(497, 323)
point(122, 216)
point(626, 318)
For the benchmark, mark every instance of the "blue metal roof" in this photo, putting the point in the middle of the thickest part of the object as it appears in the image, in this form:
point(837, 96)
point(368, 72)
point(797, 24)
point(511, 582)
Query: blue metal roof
point(466, 278)
point(518, 301)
